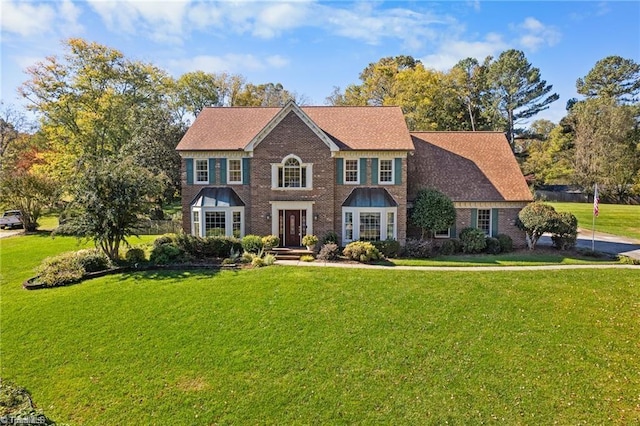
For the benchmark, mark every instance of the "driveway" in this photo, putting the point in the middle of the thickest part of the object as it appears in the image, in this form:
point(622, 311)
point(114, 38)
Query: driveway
point(605, 243)
point(10, 232)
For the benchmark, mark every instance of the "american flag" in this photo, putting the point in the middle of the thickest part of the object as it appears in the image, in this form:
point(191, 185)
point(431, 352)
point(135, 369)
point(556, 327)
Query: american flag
point(596, 201)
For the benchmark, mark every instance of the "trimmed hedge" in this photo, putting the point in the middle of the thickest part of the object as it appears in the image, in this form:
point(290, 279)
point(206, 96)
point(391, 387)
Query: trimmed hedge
point(362, 251)
point(473, 240)
point(67, 268)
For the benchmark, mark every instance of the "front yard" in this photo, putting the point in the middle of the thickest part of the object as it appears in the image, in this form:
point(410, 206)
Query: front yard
point(306, 345)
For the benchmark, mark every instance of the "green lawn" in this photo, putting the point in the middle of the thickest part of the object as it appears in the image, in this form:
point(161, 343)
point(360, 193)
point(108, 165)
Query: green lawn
point(284, 345)
point(613, 219)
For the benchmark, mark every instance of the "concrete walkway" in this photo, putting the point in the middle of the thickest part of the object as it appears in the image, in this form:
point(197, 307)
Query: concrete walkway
point(604, 243)
point(454, 268)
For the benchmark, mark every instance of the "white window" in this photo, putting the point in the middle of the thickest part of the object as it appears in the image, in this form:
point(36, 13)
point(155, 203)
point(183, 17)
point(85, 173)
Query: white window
point(236, 225)
point(443, 233)
point(484, 221)
point(214, 224)
point(292, 173)
point(348, 226)
point(234, 171)
point(352, 171)
point(219, 221)
point(385, 172)
point(369, 224)
point(202, 171)
point(195, 223)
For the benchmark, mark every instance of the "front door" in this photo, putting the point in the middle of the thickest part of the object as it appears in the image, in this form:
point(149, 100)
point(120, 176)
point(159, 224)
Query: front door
point(292, 225)
point(292, 228)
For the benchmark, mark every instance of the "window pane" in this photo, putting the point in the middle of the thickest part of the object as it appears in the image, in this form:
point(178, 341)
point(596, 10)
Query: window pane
point(202, 170)
point(196, 223)
point(484, 220)
point(370, 226)
point(391, 225)
point(237, 224)
point(351, 171)
point(386, 171)
point(348, 226)
point(214, 224)
point(235, 171)
point(291, 174)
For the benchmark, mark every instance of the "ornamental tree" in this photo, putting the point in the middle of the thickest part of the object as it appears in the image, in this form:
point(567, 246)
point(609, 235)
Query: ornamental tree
point(112, 198)
point(433, 211)
point(536, 219)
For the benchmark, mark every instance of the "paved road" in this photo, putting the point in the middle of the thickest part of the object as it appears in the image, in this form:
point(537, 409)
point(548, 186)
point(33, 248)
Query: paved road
point(604, 243)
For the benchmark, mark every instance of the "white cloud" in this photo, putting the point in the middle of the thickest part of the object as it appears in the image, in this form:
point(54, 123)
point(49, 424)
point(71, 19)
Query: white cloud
point(452, 51)
point(26, 19)
point(533, 34)
point(232, 63)
point(162, 21)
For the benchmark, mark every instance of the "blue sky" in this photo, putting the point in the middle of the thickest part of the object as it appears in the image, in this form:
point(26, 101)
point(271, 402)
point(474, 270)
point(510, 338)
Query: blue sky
point(312, 46)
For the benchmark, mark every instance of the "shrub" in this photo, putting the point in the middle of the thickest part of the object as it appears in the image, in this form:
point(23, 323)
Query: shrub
point(257, 262)
point(190, 244)
point(449, 247)
point(493, 245)
point(92, 260)
point(252, 243)
point(60, 270)
point(221, 246)
point(309, 240)
point(247, 257)
point(330, 237)
point(329, 251)
point(361, 251)
point(307, 258)
point(270, 241)
point(473, 240)
point(166, 253)
point(536, 219)
point(165, 239)
point(432, 211)
point(269, 259)
point(135, 255)
point(419, 249)
point(506, 243)
point(565, 231)
point(389, 248)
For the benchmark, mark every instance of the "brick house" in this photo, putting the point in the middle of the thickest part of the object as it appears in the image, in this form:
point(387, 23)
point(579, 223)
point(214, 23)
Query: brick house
point(295, 170)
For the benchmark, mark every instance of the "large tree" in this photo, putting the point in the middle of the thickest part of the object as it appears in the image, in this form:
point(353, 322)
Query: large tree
point(614, 77)
point(433, 211)
point(517, 90)
point(91, 101)
point(30, 193)
point(607, 149)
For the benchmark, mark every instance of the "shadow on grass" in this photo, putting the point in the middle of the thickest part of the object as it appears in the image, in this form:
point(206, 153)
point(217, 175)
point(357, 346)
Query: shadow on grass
point(175, 272)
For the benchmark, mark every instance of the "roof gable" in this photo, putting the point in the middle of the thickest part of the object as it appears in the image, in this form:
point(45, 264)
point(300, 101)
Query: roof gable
point(290, 107)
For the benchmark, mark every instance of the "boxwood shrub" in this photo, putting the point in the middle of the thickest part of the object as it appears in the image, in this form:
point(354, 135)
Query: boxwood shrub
point(418, 249)
point(506, 243)
point(362, 251)
point(493, 245)
point(389, 248)
point(473, 240)
point(252, 243)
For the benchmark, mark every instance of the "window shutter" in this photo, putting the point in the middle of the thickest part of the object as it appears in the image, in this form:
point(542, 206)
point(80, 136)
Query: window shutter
point(245, 171)
point(374, 171)
point(189, 165)
point(212, 170)
point(398, 171)
point(339, 171)
point(363, 171)
point(474, 218)
point(494, 222)
point(452, 231)
point(223, 171)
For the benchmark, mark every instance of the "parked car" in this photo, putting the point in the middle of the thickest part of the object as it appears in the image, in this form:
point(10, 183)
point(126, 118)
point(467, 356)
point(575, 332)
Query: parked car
point(11, 219)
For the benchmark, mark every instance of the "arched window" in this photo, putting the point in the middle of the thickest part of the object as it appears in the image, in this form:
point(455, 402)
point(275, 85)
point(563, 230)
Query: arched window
point(292, 173)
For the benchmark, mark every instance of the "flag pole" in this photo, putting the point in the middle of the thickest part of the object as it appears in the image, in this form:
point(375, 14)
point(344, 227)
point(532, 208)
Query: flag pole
point(596, 211)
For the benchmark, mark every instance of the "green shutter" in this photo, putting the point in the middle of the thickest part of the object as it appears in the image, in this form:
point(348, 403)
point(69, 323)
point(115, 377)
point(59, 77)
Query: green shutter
point(212, 170)
point(189, 164)
point(474, 218)
point(452, 231)
point(245, 171)
point(374, 171)
point(339, 171)
point(363, 171)
point(494, 222)
point(223, 171)
point(398, 171)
